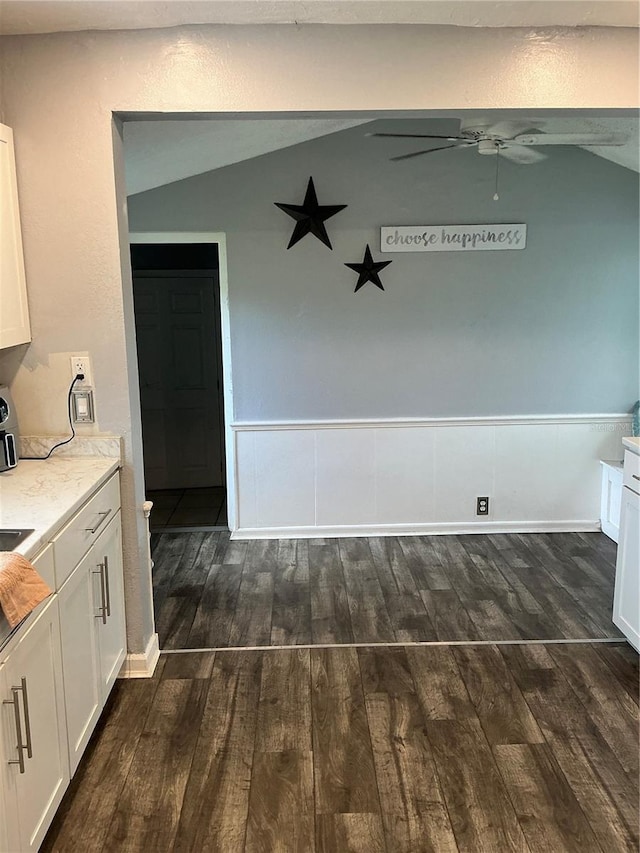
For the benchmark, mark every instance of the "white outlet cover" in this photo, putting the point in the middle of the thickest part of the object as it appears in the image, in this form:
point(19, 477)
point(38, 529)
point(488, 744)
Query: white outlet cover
point(81, 364)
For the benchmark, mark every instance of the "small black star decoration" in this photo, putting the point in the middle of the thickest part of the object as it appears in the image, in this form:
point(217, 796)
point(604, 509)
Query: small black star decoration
point(368, 270)
point(310, 216)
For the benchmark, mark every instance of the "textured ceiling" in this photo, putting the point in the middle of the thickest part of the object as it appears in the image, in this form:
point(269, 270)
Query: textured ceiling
point(45, 16)
point(160, 152)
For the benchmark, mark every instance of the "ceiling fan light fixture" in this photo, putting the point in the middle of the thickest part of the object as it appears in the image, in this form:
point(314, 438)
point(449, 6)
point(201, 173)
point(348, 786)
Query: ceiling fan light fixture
point(488, 146)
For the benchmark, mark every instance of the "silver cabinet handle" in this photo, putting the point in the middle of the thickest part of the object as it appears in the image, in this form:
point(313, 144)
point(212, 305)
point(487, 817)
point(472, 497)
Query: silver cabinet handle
point(103, 594)
point(635, 477)
point(27, 719)
point(103, 518)
point(20, 746)
point(106, 586)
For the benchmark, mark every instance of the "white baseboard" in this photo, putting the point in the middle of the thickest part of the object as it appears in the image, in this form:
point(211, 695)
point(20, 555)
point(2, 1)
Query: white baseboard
point(142, 665)
point(428, 529)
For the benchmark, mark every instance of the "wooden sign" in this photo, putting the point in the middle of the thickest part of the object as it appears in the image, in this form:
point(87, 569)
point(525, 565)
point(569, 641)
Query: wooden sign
point(452, 238)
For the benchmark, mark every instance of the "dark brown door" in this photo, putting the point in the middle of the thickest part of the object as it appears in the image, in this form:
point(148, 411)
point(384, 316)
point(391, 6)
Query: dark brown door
point(179, 362)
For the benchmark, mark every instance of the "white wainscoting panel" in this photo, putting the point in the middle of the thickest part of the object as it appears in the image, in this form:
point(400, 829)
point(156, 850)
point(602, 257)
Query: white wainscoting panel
point(285, 478)
point(422, 476)
point(404, 475)
point(345, 476)
point(464, 470)
point(578, 472)
point(246, 509)
point(525, 474)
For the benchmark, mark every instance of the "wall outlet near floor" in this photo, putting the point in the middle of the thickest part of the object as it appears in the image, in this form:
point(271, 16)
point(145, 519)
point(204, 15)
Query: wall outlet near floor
point(482, 506)
point(81, 364)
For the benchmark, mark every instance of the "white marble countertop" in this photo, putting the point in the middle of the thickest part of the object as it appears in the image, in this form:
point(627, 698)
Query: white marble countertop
point(632, 444)
point(44, 494)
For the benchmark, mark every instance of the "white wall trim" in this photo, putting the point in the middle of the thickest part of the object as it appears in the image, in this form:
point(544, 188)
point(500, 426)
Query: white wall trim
point(420, 529)
point(225, 324)
point(381, 423)
point(142, 665)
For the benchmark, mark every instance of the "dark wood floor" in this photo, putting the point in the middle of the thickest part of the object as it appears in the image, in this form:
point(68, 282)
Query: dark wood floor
point(211, 593)
point(404, 750)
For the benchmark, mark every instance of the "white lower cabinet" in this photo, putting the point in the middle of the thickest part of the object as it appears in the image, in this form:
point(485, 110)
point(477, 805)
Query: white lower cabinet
point(93, 635)
point(4, 840)
point(57, 670)
point(610, 497)
point(35, 763)
point(626, 598)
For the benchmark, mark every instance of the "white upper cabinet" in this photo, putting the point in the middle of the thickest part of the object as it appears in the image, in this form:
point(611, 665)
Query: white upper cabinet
point(14, 311)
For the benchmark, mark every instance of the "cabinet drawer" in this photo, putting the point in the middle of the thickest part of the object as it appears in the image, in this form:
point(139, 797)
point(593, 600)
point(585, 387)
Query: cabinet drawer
point(631, 471)
point(73, 541)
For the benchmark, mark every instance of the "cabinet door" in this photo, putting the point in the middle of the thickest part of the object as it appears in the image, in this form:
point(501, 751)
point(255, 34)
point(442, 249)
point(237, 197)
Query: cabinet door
point(8, 819)
point(80, 662)
point(109, 594)
point(626, 599)
point(35, 764)
point(14, 316)
point(610, 498)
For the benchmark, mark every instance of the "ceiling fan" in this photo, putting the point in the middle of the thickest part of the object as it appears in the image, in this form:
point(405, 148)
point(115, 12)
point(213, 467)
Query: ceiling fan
point(512, 140)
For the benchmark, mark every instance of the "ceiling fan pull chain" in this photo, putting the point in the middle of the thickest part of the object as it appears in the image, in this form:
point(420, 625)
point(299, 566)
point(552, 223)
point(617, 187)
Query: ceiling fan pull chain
point(496, 197)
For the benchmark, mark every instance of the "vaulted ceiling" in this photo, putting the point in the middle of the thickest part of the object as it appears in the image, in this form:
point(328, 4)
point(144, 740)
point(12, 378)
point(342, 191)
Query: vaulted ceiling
point(160, 152)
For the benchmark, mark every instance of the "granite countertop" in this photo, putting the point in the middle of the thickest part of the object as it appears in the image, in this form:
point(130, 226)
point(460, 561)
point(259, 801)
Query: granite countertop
point(632, 444)
point(44, 494)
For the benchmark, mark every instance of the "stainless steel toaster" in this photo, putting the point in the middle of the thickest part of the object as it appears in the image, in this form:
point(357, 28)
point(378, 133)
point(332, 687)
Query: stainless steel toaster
point(9, 435)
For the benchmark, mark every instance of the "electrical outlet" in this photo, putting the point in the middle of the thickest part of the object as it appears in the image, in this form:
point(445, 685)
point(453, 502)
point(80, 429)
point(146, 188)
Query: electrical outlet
point(482, 506)
point(81, 364)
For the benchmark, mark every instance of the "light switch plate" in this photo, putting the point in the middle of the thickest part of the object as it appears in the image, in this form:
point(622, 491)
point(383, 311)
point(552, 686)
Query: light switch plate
point(82, 406)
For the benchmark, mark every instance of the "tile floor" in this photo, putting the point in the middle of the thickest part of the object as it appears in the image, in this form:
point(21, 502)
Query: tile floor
point(188, 508)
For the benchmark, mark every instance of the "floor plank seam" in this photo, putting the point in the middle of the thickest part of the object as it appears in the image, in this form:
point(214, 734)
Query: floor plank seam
point(408, 644)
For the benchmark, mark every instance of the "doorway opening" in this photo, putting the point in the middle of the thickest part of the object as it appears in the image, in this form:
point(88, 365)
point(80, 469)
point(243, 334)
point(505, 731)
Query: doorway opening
point(177, 306)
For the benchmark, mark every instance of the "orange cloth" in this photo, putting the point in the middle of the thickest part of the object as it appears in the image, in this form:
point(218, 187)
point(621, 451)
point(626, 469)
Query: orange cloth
point(21, 587)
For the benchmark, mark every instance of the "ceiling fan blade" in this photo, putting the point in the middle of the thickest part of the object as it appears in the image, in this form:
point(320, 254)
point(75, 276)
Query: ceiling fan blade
point(510, 129)
point(427, 151)
point(521, 154)
point(570, 139)
point(417, 136)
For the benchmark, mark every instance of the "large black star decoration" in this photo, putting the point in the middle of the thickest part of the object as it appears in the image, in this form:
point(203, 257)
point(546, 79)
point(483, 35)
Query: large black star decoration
point(310, 216)
point(368, 270)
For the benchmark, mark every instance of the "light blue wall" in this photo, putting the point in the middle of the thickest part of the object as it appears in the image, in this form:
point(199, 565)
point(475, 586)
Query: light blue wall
point(551, 329)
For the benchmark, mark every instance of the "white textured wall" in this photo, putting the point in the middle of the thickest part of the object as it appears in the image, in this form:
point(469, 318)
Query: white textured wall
point(59, 93)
